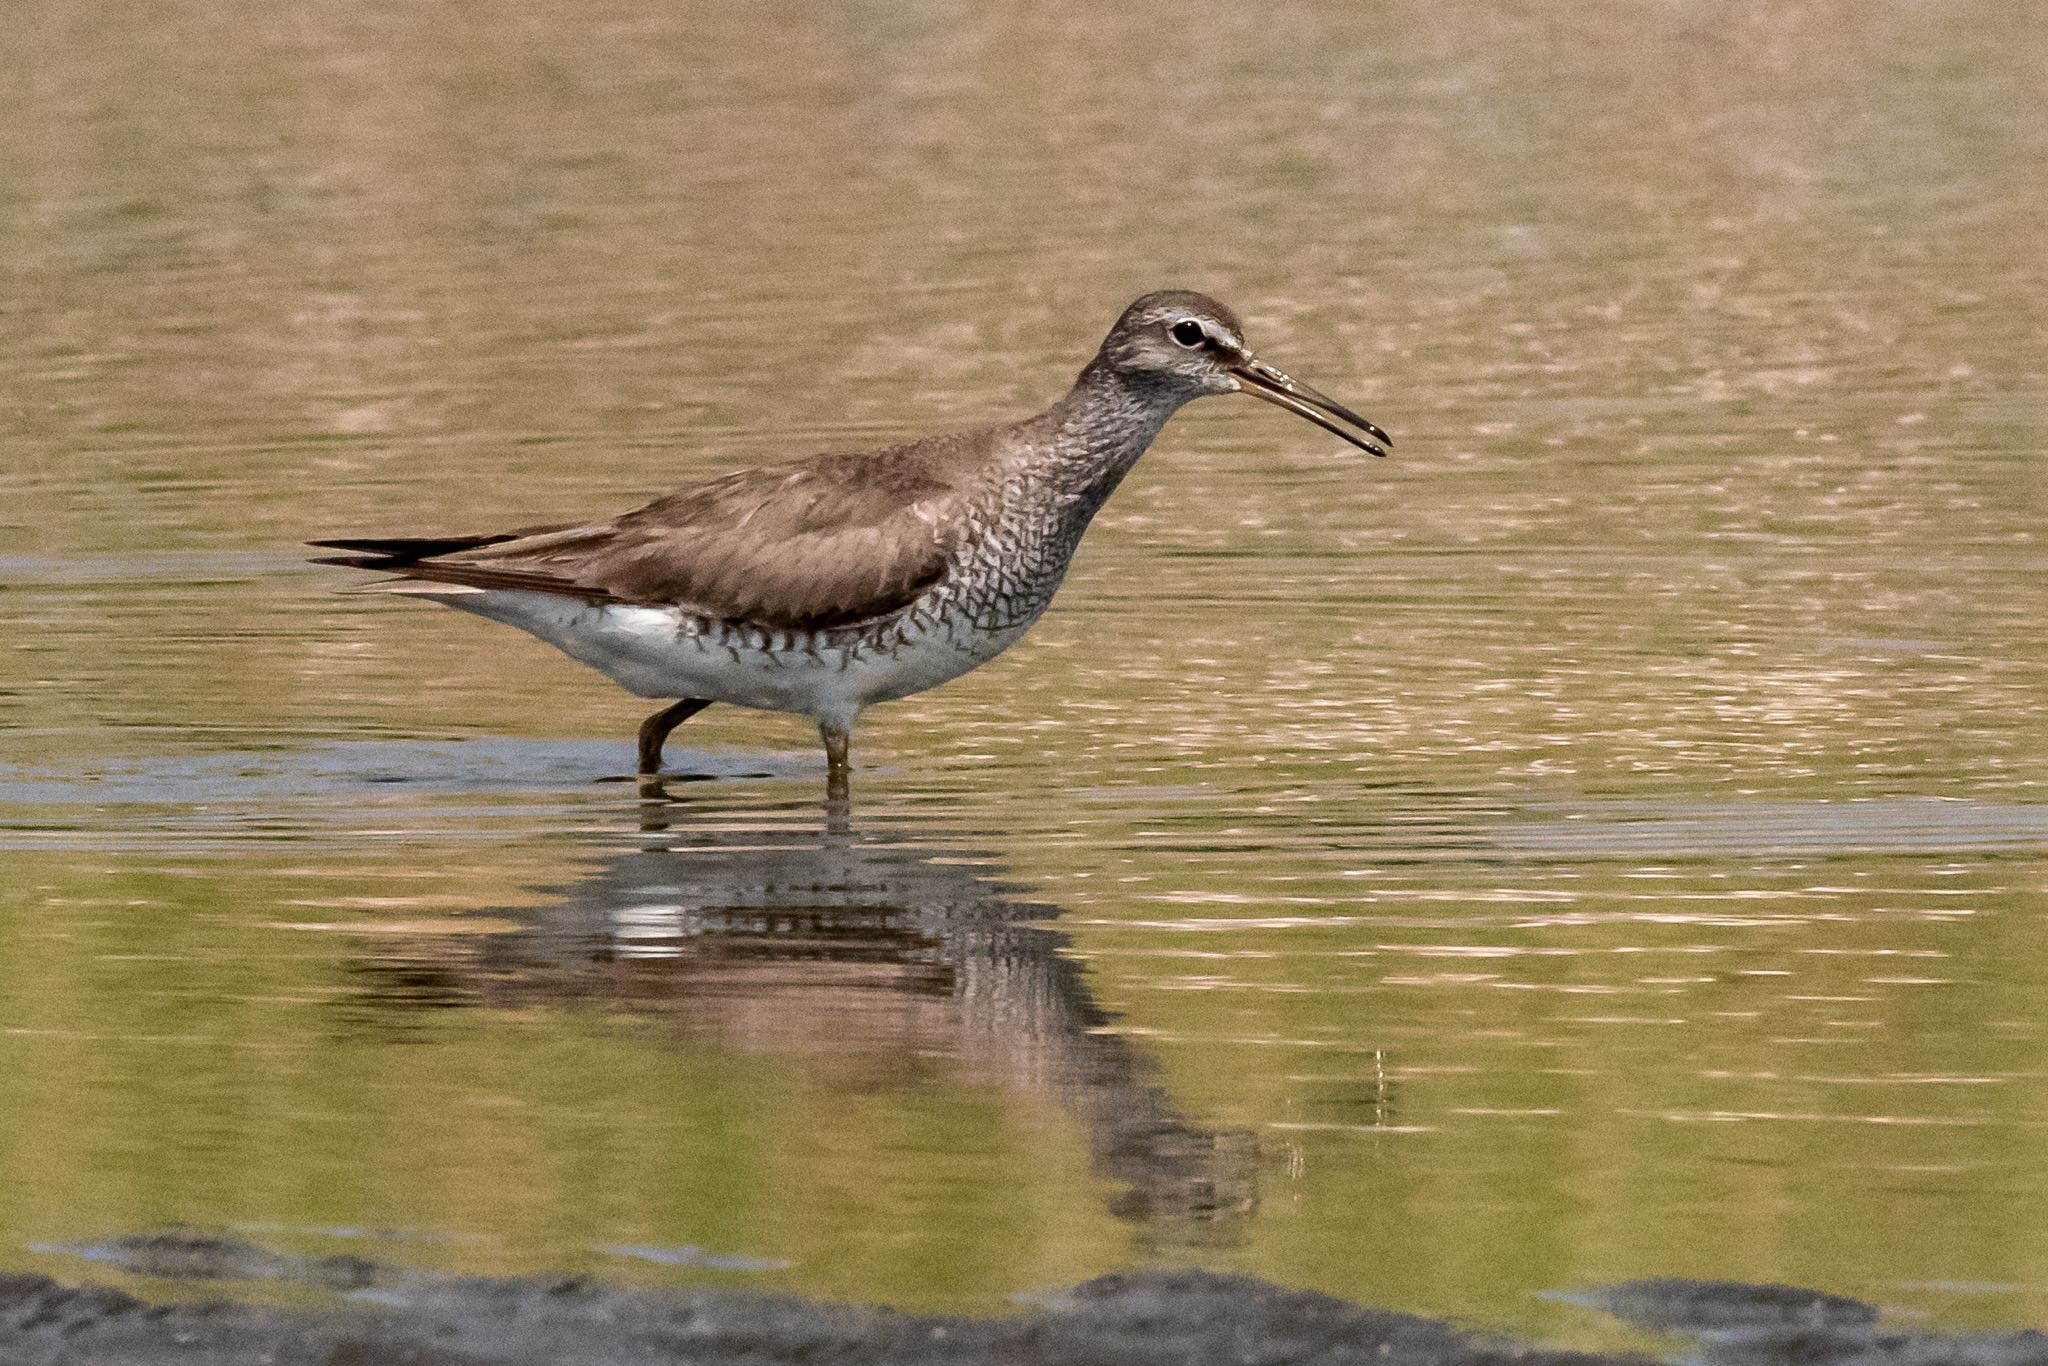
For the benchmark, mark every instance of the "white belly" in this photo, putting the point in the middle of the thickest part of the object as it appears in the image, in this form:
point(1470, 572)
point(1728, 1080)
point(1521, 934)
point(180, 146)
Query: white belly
point(662, 652)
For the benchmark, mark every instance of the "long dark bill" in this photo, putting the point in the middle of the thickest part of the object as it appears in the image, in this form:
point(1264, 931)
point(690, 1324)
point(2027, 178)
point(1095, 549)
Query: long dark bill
point(1261, 380)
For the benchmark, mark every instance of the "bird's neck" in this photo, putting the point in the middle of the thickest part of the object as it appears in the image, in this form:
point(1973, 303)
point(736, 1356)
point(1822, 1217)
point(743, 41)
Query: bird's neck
point(1051, 474)
point(1092, 437)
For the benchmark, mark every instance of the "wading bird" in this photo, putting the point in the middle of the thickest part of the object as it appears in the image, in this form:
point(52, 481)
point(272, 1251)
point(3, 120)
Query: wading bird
point(828, 585)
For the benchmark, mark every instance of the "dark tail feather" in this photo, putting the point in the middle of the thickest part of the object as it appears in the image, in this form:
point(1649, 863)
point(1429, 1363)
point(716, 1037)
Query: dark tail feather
point(393, 552)
point(419, 557)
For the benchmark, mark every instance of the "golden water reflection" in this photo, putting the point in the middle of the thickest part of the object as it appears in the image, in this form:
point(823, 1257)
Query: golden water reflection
point(1604, 840)
point(867, 1060)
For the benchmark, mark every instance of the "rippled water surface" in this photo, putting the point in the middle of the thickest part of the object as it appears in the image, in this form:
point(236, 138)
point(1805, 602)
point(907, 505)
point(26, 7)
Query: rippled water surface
point(1609, 838)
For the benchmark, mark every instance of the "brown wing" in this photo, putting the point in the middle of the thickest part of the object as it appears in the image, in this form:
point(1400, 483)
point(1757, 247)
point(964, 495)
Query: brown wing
point(833, 541)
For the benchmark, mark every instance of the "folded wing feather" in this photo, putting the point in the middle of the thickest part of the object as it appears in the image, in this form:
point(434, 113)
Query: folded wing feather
point(833, 541)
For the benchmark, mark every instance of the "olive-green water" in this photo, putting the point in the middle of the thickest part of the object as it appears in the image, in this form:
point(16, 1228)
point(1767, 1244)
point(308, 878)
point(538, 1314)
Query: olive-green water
point(1609, 838)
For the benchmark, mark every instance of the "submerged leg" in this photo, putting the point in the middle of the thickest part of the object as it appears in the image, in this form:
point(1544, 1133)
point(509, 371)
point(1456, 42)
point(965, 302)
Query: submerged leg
point(654, 731)
point(837, 771)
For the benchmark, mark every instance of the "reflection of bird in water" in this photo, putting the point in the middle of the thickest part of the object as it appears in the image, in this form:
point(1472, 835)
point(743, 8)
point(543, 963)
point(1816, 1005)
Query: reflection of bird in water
point(876, 943)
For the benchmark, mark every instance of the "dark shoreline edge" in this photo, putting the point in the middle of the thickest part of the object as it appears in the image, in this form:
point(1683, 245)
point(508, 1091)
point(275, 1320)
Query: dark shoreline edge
point(1133, 1319)
point(1139, 1318)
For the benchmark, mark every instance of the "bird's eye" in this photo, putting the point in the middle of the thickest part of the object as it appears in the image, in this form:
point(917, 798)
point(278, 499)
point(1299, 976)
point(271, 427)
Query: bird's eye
point(1188, 332)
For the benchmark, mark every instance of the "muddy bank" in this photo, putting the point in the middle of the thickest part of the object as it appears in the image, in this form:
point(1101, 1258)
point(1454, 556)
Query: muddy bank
point(397, 1318)
point(1129, 1320)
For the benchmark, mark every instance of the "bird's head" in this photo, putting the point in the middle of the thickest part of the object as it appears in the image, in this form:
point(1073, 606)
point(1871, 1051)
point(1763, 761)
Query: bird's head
point(1191, 345)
